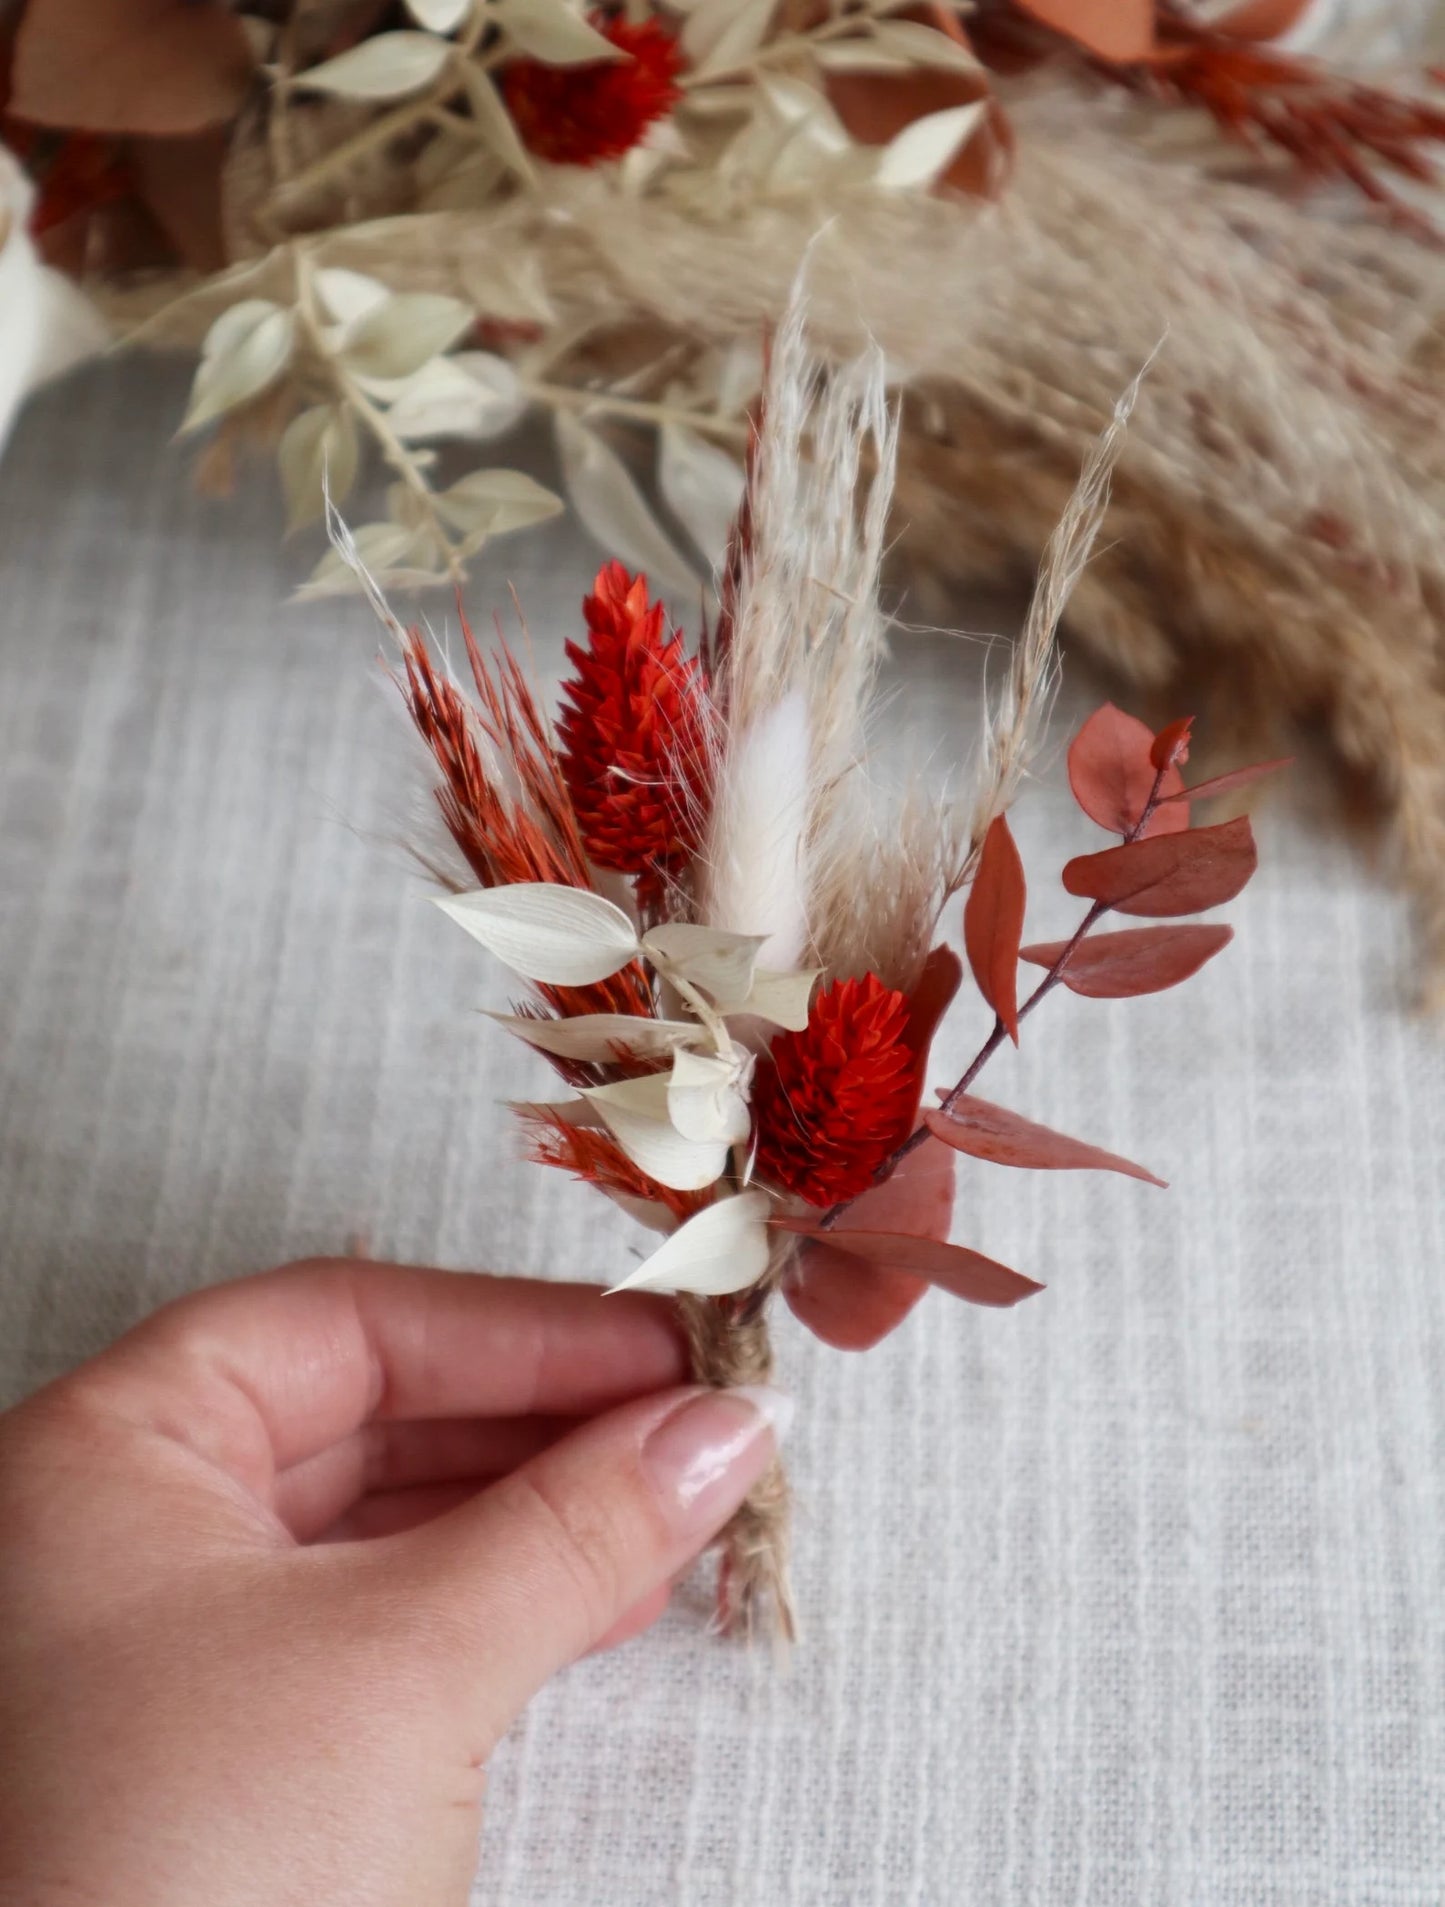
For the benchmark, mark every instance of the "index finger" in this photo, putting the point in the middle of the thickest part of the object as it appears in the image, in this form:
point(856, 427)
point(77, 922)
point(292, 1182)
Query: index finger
point(268, 1371)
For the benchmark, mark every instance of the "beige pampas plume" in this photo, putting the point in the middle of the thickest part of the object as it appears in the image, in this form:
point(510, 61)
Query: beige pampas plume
point(794, 844)
point(803, 848)
point(1014, 723)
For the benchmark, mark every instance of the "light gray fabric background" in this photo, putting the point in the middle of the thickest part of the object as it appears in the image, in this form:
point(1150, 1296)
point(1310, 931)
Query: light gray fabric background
point(1133, 1594)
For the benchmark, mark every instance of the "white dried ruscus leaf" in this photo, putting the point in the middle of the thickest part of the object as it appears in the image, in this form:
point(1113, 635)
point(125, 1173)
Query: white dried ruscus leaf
point(707, 1096)
point(721, 963)
point(387, 66)
point(395, 338)
point(613, 509)
point(439, 16)
point(919, 155)
point(600, 1036)
point(560, 936)
point(722, 1248)
point(492, 502)
point(246, 350)
point(472, 394)
point(552, 32)
point(636, 1113)
point(703, 487)
point(317, 457)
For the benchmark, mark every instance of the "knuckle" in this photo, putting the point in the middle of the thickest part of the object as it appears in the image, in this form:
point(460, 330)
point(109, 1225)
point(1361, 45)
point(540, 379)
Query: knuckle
point(584, 1543)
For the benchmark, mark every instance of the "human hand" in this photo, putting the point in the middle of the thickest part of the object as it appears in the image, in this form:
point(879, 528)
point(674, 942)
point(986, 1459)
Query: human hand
point(279, 1568)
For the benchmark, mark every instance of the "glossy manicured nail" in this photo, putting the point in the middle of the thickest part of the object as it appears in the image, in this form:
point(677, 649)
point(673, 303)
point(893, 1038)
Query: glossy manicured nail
point(704, 1458)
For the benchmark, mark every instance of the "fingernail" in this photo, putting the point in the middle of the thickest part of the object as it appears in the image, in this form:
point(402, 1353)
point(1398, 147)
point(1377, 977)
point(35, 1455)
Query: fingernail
point(703, 1459)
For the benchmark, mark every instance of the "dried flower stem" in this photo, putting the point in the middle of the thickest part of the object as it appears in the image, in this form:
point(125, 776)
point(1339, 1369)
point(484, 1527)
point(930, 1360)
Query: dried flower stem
point(636, 410)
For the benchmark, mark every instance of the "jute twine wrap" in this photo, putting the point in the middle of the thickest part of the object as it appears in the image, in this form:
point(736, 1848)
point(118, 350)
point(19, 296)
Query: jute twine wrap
point(730, 1345)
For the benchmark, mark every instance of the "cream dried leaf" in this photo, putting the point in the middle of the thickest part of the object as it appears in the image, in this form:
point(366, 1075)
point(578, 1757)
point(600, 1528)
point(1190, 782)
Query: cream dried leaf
point(378, 547)
point(349, 295)
point(703, 487)
point(551, 32)
point(495, 124)
point(722, 34)
point(560, 936)
point(439, 16)
point(724, 1247)
point(600, 1036)
point(919, 155)
point(246, 350)
point(317, 457)
point(472, 394)
point(922, 45)
point(707, 1096)
point(613, 509)
point(387, 66)
point(781, 998)
point(636, 1112)
point(395, 338)
point(493, 502)
point(722, 964)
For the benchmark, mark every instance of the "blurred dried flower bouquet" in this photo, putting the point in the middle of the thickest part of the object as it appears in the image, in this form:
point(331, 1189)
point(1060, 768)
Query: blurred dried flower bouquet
point(386, 224)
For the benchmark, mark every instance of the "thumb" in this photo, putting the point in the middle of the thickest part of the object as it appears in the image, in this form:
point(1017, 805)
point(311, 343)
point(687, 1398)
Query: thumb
point(537, 1569)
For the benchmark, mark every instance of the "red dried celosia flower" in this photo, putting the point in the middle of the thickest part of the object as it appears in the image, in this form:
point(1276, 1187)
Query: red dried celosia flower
point(634, 736)
point(578, 115)
point(833, 1101)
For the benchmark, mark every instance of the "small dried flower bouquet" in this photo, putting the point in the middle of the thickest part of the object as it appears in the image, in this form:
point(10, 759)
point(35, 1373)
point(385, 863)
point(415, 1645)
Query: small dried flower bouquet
point(734, 944)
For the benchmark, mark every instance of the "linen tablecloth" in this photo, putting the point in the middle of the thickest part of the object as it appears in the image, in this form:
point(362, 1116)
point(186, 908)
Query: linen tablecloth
point(1133, 1594)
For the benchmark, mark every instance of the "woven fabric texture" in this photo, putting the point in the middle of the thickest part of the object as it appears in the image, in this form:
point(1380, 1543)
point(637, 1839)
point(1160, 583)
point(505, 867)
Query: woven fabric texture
point(1133, 1594)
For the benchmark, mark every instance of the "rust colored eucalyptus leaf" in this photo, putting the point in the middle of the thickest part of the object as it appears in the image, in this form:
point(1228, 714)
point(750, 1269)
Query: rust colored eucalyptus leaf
point(1120, 31)
point(993, 923)
point(967, 1274)
point(1112, 774)
point(930, 999)
point(1170, 873)
point(1002, 1137)
point(179, 182)
point(1139, 960)
point(150, 67)
point(1236, 778)
point(850, 1302)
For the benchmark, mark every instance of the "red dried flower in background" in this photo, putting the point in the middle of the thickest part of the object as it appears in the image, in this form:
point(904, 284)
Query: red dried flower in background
point(634, 730)
point(578, 115)
point(833, 1101)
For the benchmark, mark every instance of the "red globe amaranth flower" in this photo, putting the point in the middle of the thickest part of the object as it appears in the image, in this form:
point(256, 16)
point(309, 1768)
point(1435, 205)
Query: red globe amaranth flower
point(634, 730)
point(578, 115)
point(833, 1101)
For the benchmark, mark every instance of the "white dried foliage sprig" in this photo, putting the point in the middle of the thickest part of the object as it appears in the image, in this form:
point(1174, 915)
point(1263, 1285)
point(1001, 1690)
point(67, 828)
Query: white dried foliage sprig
point(686, 1128)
